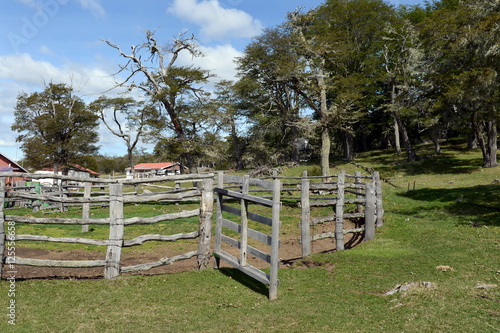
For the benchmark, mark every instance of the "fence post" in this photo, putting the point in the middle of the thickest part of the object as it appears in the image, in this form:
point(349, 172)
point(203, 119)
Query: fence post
point(116, 231)
point(339, 212)
point(86, 206)
point(275, 240)
point(357, 181)
point(379, 203)
point(2, 220)
point(370, 211)
point(206, 210)
point(244, 222)
point(218, 220)
point(305, 223)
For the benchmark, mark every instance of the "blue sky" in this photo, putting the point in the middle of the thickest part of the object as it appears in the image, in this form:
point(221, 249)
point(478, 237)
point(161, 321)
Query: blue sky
point(61, 41)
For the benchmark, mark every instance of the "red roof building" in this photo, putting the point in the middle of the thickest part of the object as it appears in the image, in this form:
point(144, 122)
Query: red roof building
point(7, 165)
point(143, 170)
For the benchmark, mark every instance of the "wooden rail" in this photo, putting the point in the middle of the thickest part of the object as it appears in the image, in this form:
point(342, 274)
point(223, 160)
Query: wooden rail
point(242, 244)
point(116, 221)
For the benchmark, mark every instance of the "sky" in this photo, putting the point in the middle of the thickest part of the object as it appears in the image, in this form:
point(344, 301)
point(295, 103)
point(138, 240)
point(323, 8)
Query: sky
point(61, 41)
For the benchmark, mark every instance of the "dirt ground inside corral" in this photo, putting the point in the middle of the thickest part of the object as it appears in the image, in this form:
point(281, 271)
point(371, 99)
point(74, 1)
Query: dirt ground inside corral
point(290, 253)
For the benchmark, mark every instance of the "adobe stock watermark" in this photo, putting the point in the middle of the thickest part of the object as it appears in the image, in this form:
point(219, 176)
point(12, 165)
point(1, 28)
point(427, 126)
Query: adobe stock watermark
point(11, 271)
point(31, 26)
point(233, 3)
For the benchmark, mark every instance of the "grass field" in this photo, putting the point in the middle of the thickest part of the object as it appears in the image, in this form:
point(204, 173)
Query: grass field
point(442, 226)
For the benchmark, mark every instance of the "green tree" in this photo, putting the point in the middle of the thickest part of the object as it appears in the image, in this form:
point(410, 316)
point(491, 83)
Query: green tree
point(462, 42)
point(56, 127)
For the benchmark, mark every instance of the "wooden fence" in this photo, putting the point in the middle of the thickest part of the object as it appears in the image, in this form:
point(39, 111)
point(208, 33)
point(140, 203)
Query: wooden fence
point(245, 232)
point(116, 199)
point(362, 193)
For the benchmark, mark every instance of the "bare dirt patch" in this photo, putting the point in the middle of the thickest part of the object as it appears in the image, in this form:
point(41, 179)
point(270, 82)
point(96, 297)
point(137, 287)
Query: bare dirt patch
point(290, 256)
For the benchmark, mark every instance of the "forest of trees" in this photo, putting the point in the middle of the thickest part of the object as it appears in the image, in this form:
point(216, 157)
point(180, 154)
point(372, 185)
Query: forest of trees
point(348, 76)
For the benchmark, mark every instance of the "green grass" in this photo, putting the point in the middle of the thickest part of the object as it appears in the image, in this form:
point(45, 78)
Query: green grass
point(448, 220)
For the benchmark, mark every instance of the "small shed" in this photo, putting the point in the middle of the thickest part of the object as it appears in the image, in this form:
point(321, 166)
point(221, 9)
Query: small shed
point(74, 170)
point(144, 170)
point(8, 165)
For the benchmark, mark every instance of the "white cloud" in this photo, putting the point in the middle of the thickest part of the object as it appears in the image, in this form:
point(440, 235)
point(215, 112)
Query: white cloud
point(216, 22)
point(219, 60)
point(93, 5)
point(29, 73)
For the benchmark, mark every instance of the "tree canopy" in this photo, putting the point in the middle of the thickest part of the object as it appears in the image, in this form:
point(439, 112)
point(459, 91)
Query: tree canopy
point(55, 127)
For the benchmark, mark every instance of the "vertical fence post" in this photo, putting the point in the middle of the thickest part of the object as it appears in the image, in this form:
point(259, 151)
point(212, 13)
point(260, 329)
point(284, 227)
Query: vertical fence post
point(86, 206)
point(357, 181)
point(339, 212)
point(206, 210)
point(379, 203)
point(116, 231)
point(244, 222)
point(305, 223)
point(370, 211)
point(275, 240)
point(218, 220)
point(2, 220)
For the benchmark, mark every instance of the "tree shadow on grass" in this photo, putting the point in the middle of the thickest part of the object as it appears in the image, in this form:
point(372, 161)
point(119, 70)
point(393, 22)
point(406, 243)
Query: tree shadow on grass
point(481, 201)
point(435, 164)
point(245, 280)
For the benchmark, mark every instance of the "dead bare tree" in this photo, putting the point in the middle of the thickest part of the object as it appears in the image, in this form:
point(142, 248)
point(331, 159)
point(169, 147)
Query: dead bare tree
point(162, 80)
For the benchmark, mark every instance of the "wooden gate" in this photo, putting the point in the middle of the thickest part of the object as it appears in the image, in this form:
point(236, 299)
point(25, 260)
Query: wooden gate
point(223, 224)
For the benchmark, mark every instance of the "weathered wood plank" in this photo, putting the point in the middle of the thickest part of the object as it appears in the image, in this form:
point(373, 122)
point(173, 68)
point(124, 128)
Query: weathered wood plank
point(379, 202)
point(370, 218)
point(162, 197)
point(157, 237)
point(59, 263)
point(48, 220)
point(116, 232)
point(339, 213)
point(238, 195)
point(161, 262)
point(250, 270)
point(72, 240)
point(275, 241)
point(160, 218)
point(86, 206)
point(252, 216)
point(205, 223)
point(53, 198)
point(305, 224)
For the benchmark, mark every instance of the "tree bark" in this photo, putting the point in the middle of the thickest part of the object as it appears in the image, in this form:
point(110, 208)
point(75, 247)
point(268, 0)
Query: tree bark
point(349, 146)
point(411, 155)
point(397, 142)
point(490, 159)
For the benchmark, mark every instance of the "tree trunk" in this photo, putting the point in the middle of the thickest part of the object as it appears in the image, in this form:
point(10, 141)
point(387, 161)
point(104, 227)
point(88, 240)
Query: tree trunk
point(325, 152)
point(411, 155)
point(325, 135)
point(238, 148)
point(131, 162)
point(294, 138)
point(349, 146)
point(435, 140)
point(397, 142)
point(490, 159)
point(472, 140)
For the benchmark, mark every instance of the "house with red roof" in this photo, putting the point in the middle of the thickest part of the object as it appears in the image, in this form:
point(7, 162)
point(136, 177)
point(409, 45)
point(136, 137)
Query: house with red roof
point(8, 165)
point(144, 170)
